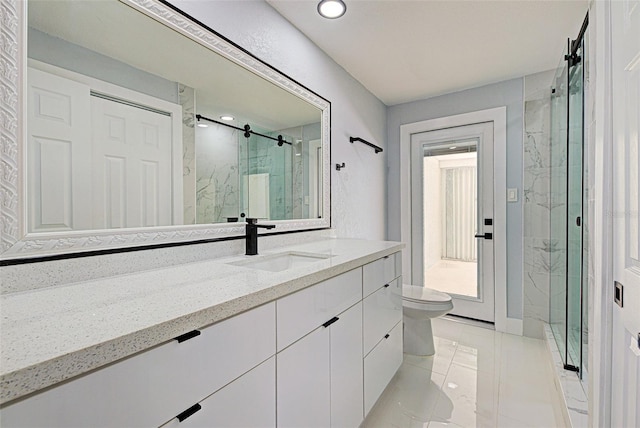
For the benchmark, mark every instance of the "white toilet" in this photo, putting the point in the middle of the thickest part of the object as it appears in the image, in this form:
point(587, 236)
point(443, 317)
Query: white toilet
point(419, 306)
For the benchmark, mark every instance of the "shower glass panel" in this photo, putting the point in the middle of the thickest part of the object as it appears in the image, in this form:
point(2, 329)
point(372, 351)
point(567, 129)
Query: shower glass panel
point(567, 305)
point(574, 211)
point(266, 185)
point(558, 220)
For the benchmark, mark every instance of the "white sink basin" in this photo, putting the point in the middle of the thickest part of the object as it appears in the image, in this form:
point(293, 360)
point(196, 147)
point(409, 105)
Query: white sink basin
point(281, 261)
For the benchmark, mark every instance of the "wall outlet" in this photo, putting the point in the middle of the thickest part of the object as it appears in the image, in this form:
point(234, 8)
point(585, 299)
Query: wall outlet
point(512, 195)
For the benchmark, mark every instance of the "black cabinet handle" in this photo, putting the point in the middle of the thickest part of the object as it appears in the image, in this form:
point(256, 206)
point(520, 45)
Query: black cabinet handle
point(187, 336)
point(386, 285)
point(190, 411)
point(331, 321)
point(386, 336)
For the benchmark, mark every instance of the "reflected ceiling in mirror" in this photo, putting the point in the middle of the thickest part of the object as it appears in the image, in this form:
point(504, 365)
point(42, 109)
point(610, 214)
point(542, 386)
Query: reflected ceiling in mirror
point(114, 154)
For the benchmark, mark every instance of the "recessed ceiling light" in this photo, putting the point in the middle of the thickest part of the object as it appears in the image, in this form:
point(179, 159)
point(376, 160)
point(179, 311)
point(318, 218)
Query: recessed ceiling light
point(227, 117)
point(202, 125)
point(332, 9)
point(453, 147)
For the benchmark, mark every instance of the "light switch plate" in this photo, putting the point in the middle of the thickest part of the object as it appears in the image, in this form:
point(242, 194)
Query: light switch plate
point(512, 195)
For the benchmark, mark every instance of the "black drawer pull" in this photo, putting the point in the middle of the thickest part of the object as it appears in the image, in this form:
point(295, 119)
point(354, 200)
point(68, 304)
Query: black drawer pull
point(386, 285)
point(331, 321)
point(386, 336)
point(187, 336)
point(190, 411)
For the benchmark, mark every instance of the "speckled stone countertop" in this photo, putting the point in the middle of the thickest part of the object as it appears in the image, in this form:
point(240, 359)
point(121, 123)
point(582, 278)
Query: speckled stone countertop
point(56, 333)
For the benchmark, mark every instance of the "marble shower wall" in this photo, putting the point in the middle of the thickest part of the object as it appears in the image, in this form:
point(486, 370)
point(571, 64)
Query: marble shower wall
point(217, 183)
point(187, 98)
point(539, 257)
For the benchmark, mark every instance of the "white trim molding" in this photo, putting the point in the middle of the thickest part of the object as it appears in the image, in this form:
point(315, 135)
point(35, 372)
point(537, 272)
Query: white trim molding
point(513, 326)
point(12, 30)
point(499, 118)
point(15, 243)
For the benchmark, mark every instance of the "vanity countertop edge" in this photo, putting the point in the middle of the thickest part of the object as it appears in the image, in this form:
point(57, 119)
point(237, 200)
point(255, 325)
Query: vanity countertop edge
point(53, 334)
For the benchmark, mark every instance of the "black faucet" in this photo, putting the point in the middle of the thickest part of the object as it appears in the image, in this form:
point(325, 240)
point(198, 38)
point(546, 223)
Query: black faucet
point(252, 235)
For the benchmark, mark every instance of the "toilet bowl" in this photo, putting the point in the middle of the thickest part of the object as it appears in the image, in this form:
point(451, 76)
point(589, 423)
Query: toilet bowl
point(419, 306)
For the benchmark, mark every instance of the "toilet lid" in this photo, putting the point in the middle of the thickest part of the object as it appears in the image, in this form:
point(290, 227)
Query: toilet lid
point(423, 294)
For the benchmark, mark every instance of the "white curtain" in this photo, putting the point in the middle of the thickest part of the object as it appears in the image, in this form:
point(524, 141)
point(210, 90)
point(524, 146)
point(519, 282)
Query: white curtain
point(459, 201)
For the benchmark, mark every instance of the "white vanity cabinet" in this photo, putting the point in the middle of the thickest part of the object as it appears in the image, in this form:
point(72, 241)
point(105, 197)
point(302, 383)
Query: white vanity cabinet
point(248, 401)
point(382, 326)
point(150, 388)
point(319, 357)
point(319, 372)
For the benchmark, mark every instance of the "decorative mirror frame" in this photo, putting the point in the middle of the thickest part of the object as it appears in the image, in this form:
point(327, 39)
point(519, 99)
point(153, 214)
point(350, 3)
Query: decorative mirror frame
point(15, 243)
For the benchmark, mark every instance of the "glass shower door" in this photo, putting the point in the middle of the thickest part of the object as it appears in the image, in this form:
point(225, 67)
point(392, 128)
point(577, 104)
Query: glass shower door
point(558, 220)
point(567, 262)
point(574, 211)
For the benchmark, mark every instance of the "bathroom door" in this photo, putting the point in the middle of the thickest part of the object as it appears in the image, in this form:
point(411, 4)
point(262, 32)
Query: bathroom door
point(452, 216)
point(625, 71)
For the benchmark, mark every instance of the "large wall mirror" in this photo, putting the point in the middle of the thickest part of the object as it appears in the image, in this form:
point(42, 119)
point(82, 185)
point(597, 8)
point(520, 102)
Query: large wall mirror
point(137, 126)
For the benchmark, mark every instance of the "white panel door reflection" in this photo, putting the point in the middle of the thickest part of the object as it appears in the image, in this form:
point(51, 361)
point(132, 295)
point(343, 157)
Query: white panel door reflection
point(132, 164)
point(58, 154)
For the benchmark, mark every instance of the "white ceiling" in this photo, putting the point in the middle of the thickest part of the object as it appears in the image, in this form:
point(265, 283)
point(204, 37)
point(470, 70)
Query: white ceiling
point(404, 51)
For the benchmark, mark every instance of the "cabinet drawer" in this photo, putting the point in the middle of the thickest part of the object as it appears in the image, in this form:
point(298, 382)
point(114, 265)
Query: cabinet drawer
point(304, 311)
point(380, 366)
point(382, 311)
point(379, 273)
point(249, 401)
point(149, 388)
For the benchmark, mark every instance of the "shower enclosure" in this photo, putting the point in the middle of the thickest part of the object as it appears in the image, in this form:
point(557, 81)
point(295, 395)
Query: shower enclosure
point(568, 288)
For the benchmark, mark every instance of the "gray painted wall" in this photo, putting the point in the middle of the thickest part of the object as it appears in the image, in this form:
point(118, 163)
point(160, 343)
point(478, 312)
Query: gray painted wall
point(63, 54)
point(509, 94)
point(357, 192)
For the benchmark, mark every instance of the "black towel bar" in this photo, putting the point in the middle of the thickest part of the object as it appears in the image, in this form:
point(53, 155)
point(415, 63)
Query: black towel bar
point(376, 148)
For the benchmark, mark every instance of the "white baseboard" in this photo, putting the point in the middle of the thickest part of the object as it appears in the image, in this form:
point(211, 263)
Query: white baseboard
point(514, 326)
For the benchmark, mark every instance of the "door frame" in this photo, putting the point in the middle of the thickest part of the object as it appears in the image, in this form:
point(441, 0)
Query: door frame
point(498, 116)
point(601, 144)
point(481, 307)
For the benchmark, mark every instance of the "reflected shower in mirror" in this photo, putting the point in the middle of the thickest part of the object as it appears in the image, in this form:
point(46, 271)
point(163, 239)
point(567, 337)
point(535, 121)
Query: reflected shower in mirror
point(245, 171)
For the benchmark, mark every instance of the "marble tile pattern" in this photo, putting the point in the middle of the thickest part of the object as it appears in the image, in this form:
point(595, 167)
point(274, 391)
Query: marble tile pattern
point(217, 176)
point(187, 98)
point(540, 255)
point(571, 389)
point(477, 378)
point(53, 334)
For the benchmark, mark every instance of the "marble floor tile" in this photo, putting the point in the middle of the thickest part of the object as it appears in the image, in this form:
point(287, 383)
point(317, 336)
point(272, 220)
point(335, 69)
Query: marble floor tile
point(477, 378)
point(446, 329)
point(438, 363)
